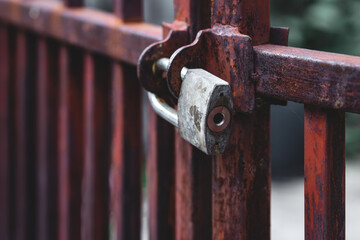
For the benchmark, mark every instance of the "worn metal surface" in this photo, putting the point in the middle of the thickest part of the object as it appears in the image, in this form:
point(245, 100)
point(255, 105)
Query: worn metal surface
point(90, 29)
point(252, 18)
point(231, 57)
point(126, 144)
point(161, 173)
point(151, 77)
point(97, 145)
point(25, 178)
point(46, 124)
point(70, 148)
point(200, 93)
point(226, 198)
point(126, 152)
point(4, 125)
point(324, 173)
point(193, 192)
point(307, 76)
point(241, 180)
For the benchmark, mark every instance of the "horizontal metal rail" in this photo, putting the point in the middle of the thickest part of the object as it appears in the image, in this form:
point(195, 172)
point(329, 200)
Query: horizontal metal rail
point(324, 79)
point(90, 29)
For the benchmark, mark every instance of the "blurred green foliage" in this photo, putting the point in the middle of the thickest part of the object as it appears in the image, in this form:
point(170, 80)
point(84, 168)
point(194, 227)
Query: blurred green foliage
point(328, 25)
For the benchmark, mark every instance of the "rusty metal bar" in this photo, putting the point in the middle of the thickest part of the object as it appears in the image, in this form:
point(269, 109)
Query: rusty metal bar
point(195, 13)
point(241, 180)
point(4, 125)
point(46, 126)
point(88, 185)
point(251, 17)
point(192, 191)
point(90, 29)
point(63, 147)
point(241, 176)
point(42, 141)
point(134, 37)
point(160, 176)
point(102, 145)
point(70, 142)
point(95, 197)
point(126, 152)
point(20, 129)
point(324, 173)
point(128, 11)
point(52, 105)
point(25, 72)
point(306, 76)
point(126, 163)
point(74, 3)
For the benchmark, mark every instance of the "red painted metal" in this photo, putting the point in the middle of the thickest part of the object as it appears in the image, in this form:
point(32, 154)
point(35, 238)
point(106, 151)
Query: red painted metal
point(126, 152)
point(4, 125)
point(88, 190)
point(70, 142)
point(63, 147)
point(46, 144)
point(42, 141)
point(241, 180)
point(20, 129)
point(25, 72)
point(128, 11)
point(308, 76)
point(126, 163)
point(324, 173)
point(86, 127)
point(160, 176)
point(54, 20)
point(251, 17)
point(192, 192)
point(95, 188)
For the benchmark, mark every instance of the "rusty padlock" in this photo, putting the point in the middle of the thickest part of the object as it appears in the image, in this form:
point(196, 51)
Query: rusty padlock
point(204, 110)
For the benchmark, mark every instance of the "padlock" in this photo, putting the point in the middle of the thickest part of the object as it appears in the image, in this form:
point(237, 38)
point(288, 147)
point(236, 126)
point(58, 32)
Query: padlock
point(204, 110)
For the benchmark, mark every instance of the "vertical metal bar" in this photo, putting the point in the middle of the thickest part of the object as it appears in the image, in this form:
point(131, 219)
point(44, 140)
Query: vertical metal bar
point(252, 17)
point(95, 211)
point(42, 177)
point(63, 147)
point(88, 191)
point(25, 73)
point(102, 141)
point(74, 3)
point(126, 152)
point(20, 131)
point(160, 176)
point(197, 13)
point(70, 142)
point(46, 107)
point(52, 104)
point(127, 10)
point(241, 176)
point(4, 116)
point(324, 173)
point(193, 191)
point(126, 139)
point(241, 180)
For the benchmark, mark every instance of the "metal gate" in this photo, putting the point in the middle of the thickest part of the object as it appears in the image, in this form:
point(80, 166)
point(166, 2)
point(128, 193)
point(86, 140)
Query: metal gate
point(70, 123)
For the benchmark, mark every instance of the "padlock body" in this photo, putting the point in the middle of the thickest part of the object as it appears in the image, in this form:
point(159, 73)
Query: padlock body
point(201, 94)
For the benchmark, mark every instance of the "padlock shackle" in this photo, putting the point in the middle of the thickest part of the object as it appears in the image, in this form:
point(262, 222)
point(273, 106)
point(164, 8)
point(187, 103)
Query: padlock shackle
point(163, 65)
point(163, 109)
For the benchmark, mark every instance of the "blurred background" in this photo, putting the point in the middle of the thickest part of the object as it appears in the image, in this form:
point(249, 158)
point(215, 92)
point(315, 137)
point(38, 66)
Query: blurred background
point(328, 25)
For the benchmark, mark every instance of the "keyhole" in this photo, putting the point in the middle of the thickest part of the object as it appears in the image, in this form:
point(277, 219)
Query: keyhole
point(219, 119)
